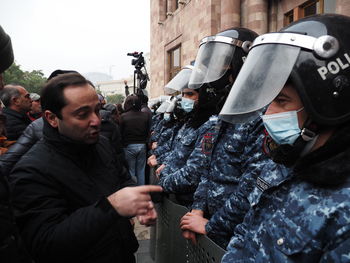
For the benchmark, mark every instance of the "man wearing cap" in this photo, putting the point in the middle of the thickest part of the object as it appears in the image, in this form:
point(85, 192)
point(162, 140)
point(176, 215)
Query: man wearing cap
point(10, 246)
point(35, 111)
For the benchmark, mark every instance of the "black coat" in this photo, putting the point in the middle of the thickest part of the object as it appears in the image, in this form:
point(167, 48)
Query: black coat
point(11, 248)
point(15, 123)
point(59, 194)
point(134, 127)
point(32, 134)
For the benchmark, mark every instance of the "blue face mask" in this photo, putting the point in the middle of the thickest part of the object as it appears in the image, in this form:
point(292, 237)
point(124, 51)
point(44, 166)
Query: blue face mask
point(187, 104)
point(166, 116)
point(283, 127)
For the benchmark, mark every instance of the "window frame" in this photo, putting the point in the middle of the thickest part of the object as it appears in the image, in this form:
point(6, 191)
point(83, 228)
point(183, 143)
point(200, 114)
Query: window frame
point(299, 11)
point(173, 70)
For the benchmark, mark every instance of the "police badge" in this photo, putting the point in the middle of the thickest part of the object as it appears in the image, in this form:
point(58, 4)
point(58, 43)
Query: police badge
point(207, 143)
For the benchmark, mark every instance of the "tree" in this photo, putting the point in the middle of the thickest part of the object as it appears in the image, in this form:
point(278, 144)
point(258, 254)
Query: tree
point(115, 99)
point(33, 81)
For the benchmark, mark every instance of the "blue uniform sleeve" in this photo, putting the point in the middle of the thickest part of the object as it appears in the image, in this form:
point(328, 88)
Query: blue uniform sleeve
point(165, 142)
point(222, 224)
point(200, 196)
point(186, 179)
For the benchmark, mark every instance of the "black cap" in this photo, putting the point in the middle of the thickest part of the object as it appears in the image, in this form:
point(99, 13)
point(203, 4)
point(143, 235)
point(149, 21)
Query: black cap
point(6, 52)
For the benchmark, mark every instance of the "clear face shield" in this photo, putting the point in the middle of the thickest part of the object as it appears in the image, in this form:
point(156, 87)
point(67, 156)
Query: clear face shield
point(165, 103)
point(213, 60)
point(180, 81)
point(265, 72)
point(162, 108)
point(172, 105)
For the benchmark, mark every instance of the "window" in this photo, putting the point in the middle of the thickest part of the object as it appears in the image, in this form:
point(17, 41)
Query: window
point(171, 6)
point(288, 18)
point(174, 61)
point(312, 8)
point(309, 8)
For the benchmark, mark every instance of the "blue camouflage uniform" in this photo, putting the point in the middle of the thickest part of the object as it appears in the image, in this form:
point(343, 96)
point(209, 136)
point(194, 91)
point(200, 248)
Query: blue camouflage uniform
point(236, 160)
point(181, 174)
point(155, 121)
point(157, 131)
point(292, 220)
point(226, 163)
point(165, 141)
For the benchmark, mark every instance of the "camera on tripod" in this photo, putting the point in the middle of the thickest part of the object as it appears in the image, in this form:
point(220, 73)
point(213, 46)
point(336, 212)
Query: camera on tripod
point(138, 61)
point(140, 76)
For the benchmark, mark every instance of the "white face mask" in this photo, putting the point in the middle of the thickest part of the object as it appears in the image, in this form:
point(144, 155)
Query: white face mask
point(187, 104)
point(166, 116)
point(283, 127)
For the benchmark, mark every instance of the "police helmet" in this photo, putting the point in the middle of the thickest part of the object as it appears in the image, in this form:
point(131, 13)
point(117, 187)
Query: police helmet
point(220, 56)
point(314, 54)
point(180, 81)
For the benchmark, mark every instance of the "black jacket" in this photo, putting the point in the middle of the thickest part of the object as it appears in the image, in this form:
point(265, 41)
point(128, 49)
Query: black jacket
point(135, 127)
point(32, 134)
point(111, 130)
point(15, 123)
point(59, 194)
point(11, 248)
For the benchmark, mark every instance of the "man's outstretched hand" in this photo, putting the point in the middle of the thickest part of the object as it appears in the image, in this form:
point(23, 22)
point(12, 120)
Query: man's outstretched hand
point(133, 201)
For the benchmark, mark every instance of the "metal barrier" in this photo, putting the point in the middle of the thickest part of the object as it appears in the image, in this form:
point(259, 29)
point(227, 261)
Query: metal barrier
point(171, 247)
point(205, 251)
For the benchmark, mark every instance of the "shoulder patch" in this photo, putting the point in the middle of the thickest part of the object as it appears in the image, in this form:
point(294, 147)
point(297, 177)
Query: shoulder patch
point(207, 143)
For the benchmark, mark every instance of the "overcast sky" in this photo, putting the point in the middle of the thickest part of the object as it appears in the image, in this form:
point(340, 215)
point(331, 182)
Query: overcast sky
point(83, 35)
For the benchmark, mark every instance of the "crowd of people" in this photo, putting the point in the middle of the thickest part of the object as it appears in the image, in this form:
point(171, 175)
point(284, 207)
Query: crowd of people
point(253, 139)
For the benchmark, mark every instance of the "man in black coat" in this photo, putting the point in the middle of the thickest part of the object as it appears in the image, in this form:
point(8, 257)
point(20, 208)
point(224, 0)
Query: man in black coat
point(70, 193)
point(17, 103)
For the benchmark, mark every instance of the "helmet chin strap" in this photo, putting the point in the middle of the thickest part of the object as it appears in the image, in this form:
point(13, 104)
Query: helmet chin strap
point(289, 154)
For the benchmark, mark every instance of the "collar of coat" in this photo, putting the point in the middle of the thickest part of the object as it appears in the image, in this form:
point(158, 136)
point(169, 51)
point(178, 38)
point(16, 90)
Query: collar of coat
point(329, 165)
point(20, 115)
point(78, 152)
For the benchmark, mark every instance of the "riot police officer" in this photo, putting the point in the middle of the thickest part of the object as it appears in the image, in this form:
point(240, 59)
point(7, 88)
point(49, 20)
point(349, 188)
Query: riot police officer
point(302, 73)
point(211, 79)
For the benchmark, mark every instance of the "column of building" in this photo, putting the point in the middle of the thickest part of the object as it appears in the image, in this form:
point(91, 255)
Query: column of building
point(230, 14)
point(257, 11)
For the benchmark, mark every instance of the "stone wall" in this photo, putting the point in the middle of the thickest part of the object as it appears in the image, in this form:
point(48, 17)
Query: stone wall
point(195, 19)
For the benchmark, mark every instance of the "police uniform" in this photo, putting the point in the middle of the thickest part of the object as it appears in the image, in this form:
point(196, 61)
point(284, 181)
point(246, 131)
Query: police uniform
point(235, 163)
point(165, 142)
point(156, 119)
point(300, 214)
point(157, 131)
point(181, 173)
point(291, 220)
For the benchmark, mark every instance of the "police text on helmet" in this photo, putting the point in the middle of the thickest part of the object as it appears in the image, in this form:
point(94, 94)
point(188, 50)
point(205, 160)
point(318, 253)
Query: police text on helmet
point(334, 66)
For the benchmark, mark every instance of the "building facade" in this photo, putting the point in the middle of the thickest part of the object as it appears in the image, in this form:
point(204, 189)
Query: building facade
point(177, 26)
